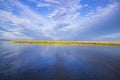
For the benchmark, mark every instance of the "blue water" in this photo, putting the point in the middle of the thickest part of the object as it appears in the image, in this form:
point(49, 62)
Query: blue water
point(54, 62)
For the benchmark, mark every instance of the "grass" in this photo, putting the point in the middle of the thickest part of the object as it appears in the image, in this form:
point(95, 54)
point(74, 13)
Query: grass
point(42, 42)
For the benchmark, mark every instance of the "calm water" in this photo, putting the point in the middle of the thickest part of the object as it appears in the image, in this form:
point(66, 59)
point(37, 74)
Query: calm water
point(46, 62)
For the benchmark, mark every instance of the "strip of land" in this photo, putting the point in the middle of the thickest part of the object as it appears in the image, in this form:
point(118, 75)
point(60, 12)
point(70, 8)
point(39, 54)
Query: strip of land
point(44, 42)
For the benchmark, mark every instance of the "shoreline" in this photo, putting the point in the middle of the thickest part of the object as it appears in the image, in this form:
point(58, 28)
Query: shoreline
point(48, 42)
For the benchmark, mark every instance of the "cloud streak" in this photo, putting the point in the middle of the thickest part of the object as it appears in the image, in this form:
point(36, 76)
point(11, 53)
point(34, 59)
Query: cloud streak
point(63, 21)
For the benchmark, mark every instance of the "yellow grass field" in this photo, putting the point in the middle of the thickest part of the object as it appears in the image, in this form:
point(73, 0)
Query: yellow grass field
point(45, 42)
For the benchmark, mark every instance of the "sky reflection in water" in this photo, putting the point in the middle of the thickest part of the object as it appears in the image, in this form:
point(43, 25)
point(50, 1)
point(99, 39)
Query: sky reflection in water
point(50, 62)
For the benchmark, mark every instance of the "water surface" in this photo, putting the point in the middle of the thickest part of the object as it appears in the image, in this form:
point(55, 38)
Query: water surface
point(55, 62)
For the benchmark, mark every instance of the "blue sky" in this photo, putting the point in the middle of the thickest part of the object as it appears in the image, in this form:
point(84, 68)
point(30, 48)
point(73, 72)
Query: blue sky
point(97, 20)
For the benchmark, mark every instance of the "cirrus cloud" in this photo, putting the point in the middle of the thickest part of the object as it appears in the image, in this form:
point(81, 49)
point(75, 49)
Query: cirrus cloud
point(62, 21)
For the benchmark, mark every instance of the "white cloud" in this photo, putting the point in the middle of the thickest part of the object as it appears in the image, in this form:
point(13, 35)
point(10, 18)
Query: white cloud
point(61, 12)
point(113, 36)
point(14, 35)
point(99, 15)
point(28, 20)
point(42, 5)
point(66, 12)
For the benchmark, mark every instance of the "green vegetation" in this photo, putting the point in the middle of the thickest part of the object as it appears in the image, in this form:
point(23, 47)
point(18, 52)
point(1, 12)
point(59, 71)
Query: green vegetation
point(42, 42)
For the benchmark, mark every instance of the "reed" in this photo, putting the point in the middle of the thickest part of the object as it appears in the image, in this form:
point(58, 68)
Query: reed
point(44, 42)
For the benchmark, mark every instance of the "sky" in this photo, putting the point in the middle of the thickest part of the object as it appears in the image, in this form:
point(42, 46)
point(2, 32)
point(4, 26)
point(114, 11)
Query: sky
point(79, 20)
